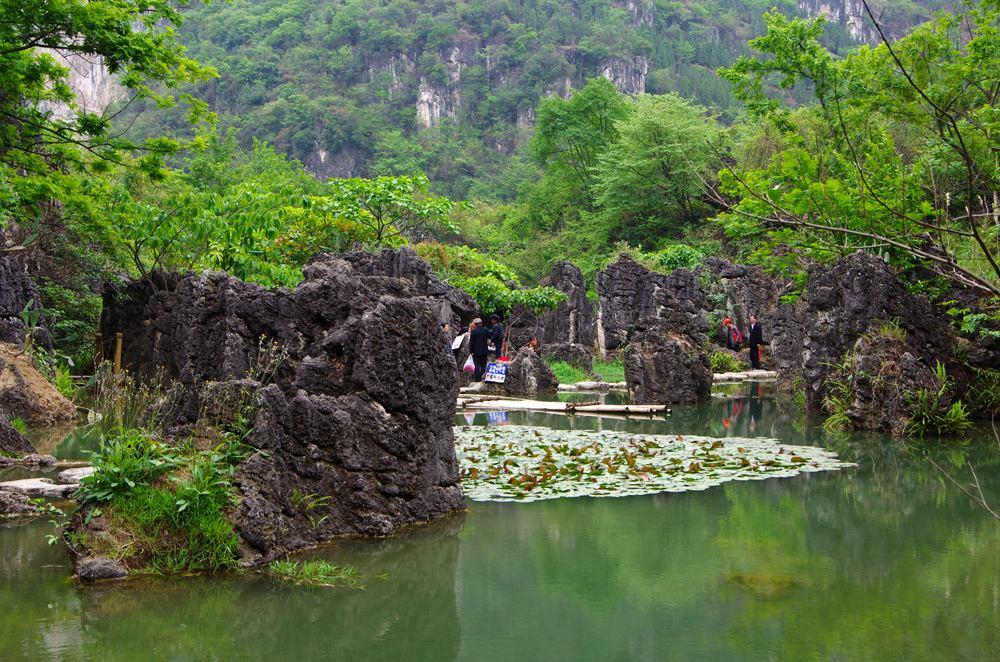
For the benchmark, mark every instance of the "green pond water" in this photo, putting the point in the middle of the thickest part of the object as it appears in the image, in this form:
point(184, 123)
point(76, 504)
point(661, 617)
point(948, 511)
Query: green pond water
point(885, 561)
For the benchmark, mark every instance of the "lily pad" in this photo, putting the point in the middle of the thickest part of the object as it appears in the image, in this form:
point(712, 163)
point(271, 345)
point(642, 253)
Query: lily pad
point(518, 463)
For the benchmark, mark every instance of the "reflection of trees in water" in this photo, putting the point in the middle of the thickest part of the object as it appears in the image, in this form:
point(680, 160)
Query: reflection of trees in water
point(409, 613)
point(883, 561)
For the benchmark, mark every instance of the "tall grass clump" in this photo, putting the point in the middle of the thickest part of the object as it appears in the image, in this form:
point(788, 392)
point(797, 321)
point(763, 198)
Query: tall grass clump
point(724, 362)
point(127, 401)
point(933, 411)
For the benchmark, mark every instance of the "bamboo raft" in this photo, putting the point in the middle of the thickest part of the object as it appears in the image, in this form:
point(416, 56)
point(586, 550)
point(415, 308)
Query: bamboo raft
point(494, 403)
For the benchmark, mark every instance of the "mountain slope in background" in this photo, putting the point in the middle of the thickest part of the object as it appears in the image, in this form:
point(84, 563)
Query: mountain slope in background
point(362, 87)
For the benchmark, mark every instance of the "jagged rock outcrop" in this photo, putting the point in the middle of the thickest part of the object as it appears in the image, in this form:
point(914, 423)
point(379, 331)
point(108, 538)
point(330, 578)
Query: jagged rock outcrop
point(12, 442)
point(16, 291)
point(360, 412)
point(666, 360)
point(747, 290)
point(625, 294)
point(529, 374)
point(457, 306)
point(841, 303)
point(573, 320)
point(26, 394)
point(879, 375)
point(14, 505)
point(571, 353)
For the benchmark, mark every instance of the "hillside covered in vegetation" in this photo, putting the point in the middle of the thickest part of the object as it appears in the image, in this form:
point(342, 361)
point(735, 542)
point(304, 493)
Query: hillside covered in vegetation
point(357, 88)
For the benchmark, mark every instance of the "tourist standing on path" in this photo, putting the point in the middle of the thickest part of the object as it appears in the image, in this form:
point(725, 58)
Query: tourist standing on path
point(479, 347)
point(734, 339)
point(496, 334)
point(756, 340)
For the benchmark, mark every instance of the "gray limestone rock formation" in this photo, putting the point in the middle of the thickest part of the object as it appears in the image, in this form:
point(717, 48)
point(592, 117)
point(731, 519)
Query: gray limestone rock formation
point(360, 412)
point(457, 306)
point(12, 442)
point(573, 320)
point(529, 374)
point(625, 291)
point(666, 360)
point(16, 291)
point(841, 303)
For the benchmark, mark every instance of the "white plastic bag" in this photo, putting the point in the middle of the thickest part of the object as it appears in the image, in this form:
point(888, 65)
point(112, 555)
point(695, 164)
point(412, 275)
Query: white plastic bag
point(469, 366)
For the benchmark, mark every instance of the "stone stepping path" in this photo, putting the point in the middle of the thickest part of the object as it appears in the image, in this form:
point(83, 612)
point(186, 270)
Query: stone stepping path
point(66, 483)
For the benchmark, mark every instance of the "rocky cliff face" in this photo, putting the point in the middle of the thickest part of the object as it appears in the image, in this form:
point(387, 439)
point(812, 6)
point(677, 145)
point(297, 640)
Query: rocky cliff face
point(850, 15)
point(361, 411)
point(625, 294)
point(666, 360)
point(747, 290)
point(95, 87)
point(842, 303)
point(573, 320)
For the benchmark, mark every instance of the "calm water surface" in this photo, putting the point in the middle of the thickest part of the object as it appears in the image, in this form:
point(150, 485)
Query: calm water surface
point(883, 562)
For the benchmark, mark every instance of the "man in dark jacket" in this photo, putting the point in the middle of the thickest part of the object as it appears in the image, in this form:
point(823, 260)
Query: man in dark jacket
point(496, 334)
point(756, 340)
point(479, 340)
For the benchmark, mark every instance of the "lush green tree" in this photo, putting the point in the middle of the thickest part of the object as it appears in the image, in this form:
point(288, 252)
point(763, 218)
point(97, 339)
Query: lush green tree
point(570, 135)
point(494, 286)
point(392, 209)
point(648, 182)
point(899, 155)
point(45, 134)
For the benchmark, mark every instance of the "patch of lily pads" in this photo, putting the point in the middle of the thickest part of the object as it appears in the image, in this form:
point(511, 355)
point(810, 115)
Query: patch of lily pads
point(518, 463)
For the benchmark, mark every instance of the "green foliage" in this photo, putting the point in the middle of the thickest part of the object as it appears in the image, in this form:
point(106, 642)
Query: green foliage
point(171, 502)
point(891, 330)
point(315, 573)
point(123, 462)
point(335, 83)
point(72, 317)
point(62, 379)
point(46, 154)
point(897, 157)
point(724, 362)
point(648, 179)
point(390, 209)
point(19, 424)
point(839, 395)
point(493, 285)
point(566, 373)
point(676, 256)
point(309, 502)
point(932, 410)
point(983, 394)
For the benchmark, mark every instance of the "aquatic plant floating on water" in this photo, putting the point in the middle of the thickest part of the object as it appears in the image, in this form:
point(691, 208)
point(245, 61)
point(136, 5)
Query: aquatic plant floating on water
point(515, 463)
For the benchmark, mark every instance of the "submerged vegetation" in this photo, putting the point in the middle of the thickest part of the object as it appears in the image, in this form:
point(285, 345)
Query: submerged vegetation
point(315, 573)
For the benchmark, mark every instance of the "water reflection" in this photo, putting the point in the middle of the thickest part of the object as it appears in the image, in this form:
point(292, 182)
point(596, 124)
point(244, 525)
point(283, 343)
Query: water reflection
point(886, 561)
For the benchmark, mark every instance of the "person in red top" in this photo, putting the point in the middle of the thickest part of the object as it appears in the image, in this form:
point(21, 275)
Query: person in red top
point(756, 340)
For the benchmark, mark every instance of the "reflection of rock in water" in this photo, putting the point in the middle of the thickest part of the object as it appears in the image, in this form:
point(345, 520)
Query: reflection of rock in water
point(409, 612)
point(48, 439)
